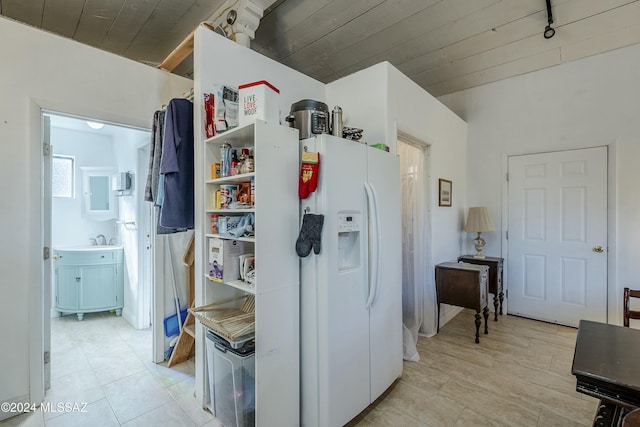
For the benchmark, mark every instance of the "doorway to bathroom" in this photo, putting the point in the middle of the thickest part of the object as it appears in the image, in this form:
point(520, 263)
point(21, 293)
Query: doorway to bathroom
point(97, 227)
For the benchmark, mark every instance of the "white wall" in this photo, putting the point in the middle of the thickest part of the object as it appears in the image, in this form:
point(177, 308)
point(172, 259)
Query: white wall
point(40, 70)
point(233, 65)
point(90, 150)
point(364, 99)
point(585, 103)
point(383, 101)
point(125, 144)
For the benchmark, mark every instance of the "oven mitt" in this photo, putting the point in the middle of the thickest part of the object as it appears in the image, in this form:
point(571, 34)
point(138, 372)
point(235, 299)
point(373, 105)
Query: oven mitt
point(310, 235)
point(309, 170)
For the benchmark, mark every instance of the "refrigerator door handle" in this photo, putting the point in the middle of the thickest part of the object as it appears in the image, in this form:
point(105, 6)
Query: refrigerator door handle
point(375, 246)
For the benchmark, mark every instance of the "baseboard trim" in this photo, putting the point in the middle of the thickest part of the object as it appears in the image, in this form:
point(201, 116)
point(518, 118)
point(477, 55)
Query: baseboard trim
point(7, 414)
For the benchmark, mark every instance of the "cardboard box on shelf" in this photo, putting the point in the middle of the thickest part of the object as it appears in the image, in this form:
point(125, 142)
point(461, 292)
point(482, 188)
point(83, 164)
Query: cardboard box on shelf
point(223, 258)
point(215, 170)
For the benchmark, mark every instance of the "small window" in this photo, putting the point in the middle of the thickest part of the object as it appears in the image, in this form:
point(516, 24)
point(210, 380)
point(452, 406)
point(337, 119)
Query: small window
point(63, 176)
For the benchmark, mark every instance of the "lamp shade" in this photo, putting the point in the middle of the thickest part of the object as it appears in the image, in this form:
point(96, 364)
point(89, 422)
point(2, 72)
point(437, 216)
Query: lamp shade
point(479, 220)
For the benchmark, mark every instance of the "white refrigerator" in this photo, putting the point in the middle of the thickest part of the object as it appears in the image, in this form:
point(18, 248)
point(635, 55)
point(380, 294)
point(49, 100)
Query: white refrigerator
point(351, 293)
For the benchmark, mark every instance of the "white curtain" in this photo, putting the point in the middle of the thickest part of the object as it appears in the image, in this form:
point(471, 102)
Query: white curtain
point(414, 226)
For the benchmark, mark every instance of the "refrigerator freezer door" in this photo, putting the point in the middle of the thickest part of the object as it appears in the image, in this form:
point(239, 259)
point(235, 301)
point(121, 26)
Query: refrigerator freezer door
point(334, 317)
point(386, 310)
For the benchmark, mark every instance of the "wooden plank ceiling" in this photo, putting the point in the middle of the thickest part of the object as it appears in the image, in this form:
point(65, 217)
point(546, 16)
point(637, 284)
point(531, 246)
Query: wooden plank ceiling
point(443, 45)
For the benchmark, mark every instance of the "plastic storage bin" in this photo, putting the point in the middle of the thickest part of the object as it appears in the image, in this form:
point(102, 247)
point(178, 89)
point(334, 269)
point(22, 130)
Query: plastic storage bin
point(231, 381)
point(259, 101)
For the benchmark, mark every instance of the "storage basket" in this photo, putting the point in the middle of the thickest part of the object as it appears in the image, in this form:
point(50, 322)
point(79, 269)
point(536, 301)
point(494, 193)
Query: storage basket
point(233, 324)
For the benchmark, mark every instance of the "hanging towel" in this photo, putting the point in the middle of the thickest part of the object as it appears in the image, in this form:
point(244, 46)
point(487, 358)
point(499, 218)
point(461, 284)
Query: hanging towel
point(176, 165)
point(155, 154)
point(165, 230)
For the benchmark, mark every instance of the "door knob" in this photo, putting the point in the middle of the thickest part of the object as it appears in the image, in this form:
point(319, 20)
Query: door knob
point(598, 249)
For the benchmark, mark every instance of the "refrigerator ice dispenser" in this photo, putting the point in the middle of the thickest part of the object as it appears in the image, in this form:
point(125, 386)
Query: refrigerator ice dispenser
point(349, 223)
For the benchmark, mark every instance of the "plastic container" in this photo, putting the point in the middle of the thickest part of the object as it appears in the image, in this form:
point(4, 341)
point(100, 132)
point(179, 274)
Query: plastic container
point(231, 381)
point(259, 100)
point(225, 159)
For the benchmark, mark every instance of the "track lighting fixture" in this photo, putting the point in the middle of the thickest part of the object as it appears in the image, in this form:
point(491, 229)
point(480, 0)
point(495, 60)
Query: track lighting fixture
point(548, 31)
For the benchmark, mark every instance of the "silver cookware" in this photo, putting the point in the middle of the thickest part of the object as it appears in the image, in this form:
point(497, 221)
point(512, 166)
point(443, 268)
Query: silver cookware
point(309, 117)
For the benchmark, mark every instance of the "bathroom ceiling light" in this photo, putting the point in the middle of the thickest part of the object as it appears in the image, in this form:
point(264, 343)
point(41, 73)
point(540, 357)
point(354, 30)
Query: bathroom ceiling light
point(95, 125)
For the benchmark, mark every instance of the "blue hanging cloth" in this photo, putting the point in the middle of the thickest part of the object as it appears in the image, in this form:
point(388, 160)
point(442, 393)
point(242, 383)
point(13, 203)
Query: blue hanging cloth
point(177, 166)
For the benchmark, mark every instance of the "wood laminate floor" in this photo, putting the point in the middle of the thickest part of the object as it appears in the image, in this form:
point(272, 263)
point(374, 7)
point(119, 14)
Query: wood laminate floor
point(519, 375)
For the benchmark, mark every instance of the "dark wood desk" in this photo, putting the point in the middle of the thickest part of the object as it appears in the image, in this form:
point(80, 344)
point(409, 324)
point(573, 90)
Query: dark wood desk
point(464, 285)
point(495, 278)
point(606, 363)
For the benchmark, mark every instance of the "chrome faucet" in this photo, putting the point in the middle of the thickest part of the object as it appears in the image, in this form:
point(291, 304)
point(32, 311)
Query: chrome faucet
point(112, 241)
point(93, 241)
point(101, 239)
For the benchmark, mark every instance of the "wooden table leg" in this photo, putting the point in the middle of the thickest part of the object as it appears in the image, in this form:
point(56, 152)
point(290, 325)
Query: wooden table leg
point(501, 299)
point(485, 312)
point(495, 305)
point(478, 322)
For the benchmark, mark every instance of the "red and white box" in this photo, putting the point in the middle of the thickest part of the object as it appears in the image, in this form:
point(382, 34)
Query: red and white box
point(258, 101)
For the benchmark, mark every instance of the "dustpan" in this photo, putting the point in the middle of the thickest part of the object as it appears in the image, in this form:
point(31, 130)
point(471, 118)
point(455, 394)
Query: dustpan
point(171, 326)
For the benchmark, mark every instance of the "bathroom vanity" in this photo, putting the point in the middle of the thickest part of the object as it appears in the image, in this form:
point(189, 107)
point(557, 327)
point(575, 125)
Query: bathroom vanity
point(89, 279)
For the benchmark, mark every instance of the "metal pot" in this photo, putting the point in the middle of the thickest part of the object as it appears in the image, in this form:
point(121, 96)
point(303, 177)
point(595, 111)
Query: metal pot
point(309, 117)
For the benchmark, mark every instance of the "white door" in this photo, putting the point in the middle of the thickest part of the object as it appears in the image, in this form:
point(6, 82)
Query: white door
point(46, 234)
point(385, 312)
point(334, 320)
point(343, 337)
point(557, 258)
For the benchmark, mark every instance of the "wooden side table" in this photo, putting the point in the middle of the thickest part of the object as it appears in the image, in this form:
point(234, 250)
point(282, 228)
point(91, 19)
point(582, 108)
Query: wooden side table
point(495, 278)
point(464, 285)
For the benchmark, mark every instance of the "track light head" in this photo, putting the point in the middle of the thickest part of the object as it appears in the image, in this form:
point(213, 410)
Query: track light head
point(549, 32)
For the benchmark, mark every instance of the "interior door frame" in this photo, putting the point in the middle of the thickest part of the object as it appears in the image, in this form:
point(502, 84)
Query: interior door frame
point(47, 240)
point(145, 247)
point(39, 311)
point(614, 307)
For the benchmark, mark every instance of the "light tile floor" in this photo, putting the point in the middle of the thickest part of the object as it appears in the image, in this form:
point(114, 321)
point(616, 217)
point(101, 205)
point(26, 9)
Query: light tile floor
point(104, 362)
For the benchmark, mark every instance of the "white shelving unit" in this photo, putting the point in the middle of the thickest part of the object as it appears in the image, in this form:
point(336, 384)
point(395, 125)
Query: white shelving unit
point(275, 151)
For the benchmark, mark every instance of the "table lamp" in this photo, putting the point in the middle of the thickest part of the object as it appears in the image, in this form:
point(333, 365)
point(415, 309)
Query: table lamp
point(478, 220)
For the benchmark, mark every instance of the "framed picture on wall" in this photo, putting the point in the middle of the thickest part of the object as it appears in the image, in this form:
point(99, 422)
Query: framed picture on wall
point(444, 192)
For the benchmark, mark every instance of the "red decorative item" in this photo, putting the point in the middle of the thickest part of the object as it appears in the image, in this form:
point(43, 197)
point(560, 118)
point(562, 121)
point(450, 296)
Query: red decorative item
point(309, 170)
point(209, 115)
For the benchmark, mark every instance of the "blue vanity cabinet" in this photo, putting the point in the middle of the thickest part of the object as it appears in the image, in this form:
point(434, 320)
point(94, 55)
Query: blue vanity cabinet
point(89, 280)
point(67, 278)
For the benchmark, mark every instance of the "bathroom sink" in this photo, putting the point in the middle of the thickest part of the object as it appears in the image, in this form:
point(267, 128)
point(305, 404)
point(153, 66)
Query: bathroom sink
point(90, 248)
